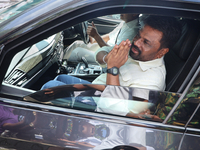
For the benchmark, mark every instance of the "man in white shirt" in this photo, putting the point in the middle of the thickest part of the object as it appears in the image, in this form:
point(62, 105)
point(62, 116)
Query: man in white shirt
point(139, 64)
point(127, 29)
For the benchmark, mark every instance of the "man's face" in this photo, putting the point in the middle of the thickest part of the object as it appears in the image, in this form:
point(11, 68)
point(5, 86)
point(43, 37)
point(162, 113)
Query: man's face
point(146, 45)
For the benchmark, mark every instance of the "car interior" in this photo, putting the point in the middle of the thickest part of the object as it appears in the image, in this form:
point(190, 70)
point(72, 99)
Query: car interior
point(178, 60)
point(31, 72)
point(33, 66)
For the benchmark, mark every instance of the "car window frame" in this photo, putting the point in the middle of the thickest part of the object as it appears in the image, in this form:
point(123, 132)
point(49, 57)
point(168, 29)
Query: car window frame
point(178, 103)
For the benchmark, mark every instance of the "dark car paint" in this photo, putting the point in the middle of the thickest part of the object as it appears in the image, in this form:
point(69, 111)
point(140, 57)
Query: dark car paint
point(12, 38)
point(48, 123)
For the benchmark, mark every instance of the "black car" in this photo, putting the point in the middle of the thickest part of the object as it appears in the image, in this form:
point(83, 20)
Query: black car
point(34, 40)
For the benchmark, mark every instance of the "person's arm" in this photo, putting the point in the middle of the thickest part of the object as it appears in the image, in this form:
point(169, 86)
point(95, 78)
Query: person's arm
point(92, 31)
point(101, 57)
point(116, 58)
point(86, 86)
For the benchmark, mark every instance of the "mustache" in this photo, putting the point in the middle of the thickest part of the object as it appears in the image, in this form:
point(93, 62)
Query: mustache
point(136, 48)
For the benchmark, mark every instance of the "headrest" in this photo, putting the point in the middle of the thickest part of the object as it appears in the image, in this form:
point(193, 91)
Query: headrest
point(186, 43)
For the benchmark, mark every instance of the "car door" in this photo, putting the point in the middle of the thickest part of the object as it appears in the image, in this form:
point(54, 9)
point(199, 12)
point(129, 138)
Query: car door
point(189, 108)
point(61, 122)
point(151, 133)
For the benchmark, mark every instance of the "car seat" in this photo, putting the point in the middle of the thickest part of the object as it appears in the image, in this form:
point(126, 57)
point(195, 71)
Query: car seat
point(177, 57)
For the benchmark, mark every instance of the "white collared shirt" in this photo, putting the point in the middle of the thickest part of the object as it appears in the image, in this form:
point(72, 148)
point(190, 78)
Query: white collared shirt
point(149, 74)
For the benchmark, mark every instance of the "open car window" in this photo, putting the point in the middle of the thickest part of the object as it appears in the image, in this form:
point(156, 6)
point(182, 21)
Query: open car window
point(32, 67)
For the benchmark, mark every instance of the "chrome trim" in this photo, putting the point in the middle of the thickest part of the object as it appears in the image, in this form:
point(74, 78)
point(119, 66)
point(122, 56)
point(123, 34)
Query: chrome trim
point(189, 76)
point(192, 115)
point(180, 143)
point(181, 97)
point(1, 48)
point(192, 134)
point(193, 129)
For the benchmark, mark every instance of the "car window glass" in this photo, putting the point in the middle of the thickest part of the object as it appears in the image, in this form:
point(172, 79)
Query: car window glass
point(29, 61)
point(17, 8)
point(187, 107)
point(67, 130)
point(191, 103)
point(115, 100)
point(39, 46)
point(114, 16)
point(56, 55)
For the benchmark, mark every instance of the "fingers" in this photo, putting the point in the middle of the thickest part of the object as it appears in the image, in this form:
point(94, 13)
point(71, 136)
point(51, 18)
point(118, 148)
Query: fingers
point(119, 54)
point(91, 30)
point(88, 30)
point(124, 43)
point(93, 24)
point(115, 49)
point(123, 50)
point(124, 47)
point(90, 39)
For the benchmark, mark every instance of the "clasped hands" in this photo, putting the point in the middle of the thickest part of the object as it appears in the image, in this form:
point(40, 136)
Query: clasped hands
point(118, 55)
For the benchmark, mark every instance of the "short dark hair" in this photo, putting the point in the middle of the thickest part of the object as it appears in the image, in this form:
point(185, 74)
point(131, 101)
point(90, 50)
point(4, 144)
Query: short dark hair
point(169, 26)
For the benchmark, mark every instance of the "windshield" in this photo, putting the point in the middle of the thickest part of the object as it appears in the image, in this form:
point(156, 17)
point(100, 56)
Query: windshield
point(17, 8)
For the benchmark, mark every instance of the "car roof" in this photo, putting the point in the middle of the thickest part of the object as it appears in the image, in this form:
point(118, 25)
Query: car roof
point(16, 8)
point(34, 16)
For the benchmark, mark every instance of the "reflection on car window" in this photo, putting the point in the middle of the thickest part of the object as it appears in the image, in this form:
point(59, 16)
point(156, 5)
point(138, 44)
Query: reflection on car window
point(191, 102)
point(32, 72)
point(115, 100)
point(39, 46)
point(114, 16)
point(67, 130)
point(28, 62)
point(187, 106)
point(17, 8)
point(65, 53)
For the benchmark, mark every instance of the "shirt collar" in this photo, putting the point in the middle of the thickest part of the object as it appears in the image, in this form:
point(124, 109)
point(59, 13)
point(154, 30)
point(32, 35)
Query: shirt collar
point(145, 65)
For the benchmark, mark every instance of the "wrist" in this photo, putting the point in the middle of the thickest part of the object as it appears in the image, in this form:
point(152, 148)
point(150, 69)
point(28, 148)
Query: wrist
point(113, 71)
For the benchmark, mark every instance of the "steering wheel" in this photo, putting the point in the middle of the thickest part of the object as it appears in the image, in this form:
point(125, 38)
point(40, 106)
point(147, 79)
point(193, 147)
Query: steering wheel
point(81, 28)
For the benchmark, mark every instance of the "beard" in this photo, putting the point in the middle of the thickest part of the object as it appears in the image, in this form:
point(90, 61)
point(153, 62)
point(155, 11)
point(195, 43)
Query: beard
point(135, 56)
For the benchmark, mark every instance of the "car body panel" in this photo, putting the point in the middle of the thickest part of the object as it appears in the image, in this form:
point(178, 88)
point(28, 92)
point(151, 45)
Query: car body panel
point(50, 17)
point(148, 131)
point(50, 126)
